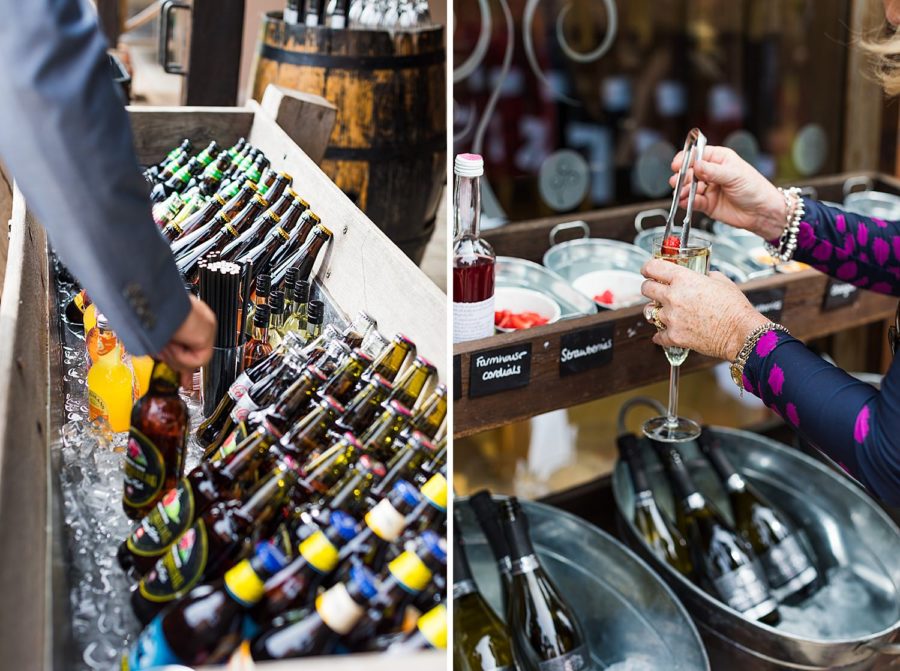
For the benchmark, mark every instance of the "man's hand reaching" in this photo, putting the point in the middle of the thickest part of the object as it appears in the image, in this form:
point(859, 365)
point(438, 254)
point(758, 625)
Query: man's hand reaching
point(191, 345)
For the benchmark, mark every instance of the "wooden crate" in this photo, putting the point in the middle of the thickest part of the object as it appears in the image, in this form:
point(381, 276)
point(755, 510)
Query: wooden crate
point(636, 361)
point(362, 270)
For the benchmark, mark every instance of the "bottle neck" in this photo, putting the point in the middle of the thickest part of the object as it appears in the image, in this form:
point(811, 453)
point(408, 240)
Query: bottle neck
point(246, 455)
point(720, 463)
point(628, 447)
point(683, 485)
point(468, 206)
point(463, 580)
point(164, 380)
point(270, 492)
point(431, 416)
point(521, 549)
point(389, 363)
point(408, 390)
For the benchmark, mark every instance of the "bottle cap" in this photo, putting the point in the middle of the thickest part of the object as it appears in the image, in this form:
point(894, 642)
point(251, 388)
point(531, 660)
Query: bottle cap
point(436, 545)
point(344, 524)
point(316, 372)
point(324, 229)
point(261, 316)
point(352, 439)
point(290, 277)
point(435, 490)
point(319, 552)
point(433, 626)
point(406, 491)
point(276, 302)
point(334, 404)
point(364, 580)
point(468, 165)
point(301, 291)
point(410, 571)
point(368, 464)
point(286, 176)
point(315, 217)
point(263, 283)
point(399, 408)
point(426, 363)
point(273, 217)
point(250, 185)
point(361, 356)
point(382, 382)
point(421, 440)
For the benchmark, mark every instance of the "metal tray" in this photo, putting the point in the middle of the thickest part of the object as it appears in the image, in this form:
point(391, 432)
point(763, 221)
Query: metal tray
point(626, 611)
point(514, 272)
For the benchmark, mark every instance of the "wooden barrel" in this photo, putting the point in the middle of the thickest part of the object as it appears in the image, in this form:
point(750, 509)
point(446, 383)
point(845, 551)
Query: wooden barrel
point(388, 149)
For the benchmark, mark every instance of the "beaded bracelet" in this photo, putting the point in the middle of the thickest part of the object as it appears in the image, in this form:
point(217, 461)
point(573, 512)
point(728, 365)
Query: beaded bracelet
point(737, 366)
point(787, 243)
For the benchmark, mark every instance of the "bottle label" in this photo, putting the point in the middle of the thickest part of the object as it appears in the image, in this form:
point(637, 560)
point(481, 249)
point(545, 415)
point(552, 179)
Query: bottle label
point(145, 470)
point(243, 408)
point(785, 562)
point(473, 320)
point(180, 569)
point(239, 387)
point(386, 521)
point(151, 649)
point(96, 405)
point(235, 438)
point(744, 590)
point(577, 659)
point(167, 521)
point(338, 610)
point(525, 564)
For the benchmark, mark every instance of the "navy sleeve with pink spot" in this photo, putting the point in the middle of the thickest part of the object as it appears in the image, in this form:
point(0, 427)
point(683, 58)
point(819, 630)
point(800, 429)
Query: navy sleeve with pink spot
point(861, 250)
point(850, 421)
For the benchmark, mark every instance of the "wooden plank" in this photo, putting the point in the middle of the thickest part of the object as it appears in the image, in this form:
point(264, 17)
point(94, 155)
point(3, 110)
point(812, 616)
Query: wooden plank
point(863, 95)
point(636, 360)
point(217, 30)
point(305, 117)
point(364, 270)
point(24, 557)
point(157, 130)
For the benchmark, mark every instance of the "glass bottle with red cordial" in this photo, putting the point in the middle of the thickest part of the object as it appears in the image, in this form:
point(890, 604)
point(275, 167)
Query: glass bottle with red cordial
point(473, 258)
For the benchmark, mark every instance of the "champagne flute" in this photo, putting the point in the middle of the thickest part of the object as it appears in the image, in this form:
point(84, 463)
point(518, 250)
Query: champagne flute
point(672, 428)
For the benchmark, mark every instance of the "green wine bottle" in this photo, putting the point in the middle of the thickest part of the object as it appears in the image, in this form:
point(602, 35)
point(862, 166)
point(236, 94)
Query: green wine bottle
point(546, 633)
point(791, 573)
point(481, 641)
point(655, 528)
point(724, 563)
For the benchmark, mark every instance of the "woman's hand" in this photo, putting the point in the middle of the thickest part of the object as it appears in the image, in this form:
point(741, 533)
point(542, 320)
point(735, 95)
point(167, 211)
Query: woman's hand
point(733, 191)
point(709, 315)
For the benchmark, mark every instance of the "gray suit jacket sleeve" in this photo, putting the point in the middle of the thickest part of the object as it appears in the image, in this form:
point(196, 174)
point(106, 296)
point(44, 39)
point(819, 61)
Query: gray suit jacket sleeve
point(65, 136)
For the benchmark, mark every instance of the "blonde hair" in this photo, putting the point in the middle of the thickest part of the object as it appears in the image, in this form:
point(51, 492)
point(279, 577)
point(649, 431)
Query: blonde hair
point(885, 54)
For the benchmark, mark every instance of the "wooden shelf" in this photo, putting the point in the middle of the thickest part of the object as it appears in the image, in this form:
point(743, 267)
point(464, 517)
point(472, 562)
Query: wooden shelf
point(634, 360)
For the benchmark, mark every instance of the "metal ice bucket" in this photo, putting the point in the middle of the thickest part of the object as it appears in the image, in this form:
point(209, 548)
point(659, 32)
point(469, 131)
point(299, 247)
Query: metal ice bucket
point(524, 274)
point(574, 258)
point(844, 526)
point(626, 611)
point(870, 203)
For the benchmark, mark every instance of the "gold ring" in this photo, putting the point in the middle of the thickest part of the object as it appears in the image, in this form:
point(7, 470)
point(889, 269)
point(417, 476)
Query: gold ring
point(654, 318)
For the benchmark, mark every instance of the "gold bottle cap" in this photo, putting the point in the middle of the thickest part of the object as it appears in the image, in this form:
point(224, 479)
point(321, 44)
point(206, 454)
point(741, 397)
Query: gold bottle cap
point(251, 185)
point(286, 176)
point(293, 194)
point(315, 217)
point(304, 202)
point(326, 230)
point(274, 217)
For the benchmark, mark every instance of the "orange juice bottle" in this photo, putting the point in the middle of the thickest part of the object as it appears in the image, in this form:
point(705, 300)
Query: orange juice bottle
point(99, 340)
point(143, 367)
point(111, 389)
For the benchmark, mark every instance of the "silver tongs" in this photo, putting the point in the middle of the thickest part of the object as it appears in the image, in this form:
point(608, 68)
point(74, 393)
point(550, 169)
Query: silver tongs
point(694, 144)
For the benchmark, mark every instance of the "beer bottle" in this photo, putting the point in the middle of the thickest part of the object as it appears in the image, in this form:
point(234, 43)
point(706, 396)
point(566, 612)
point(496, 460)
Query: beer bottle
point(364, 406)
point(99, 340)
point(318, 630)
point(349, 495)
point(208, 155)
point(172, 167)
point(407, 462)
point(438, 460)
point(177, 182)
point(154, 457)
point(410, 385)
point(325, 470)
point(310, 435)
point(385, 523)
point(276, 186)
point(203, 215)
point(276, 238)
point(361, 327)
point(211, 544)
point(153, 171)
point(211, 179)
point(391, 359)
point(296, 585)
point(430, 415)
point(261, 228)
point(432, 509)
point(237, 147)
point(260, 296)
point(76, 307)
point(341, 383)
point(205, 627)
point(299, 235)
point(430, 633)
point(193, 495)
point(305, 257)
point(379, 439)
point(203, 225)
point(276, 316)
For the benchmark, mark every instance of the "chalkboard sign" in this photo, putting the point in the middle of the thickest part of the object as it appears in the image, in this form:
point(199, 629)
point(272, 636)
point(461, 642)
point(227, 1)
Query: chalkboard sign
point(495, 370)
point(769, 302)
point(457, 377)
point(839, 294)
point(585, 349)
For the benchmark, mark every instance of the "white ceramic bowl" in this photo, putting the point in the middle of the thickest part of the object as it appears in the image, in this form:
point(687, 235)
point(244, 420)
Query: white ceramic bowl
point(525, 300)
point(625, 286)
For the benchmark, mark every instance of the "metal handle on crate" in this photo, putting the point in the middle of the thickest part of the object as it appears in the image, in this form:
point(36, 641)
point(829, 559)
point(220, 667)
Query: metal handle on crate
point(861, 180)
point(568, 226)
point(165, 24)
point(647, 214)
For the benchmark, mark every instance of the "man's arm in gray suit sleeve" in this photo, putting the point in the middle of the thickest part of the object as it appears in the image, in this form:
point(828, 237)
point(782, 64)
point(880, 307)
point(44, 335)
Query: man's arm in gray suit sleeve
point(65, 136)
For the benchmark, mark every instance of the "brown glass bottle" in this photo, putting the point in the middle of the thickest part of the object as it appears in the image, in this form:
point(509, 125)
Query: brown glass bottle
point(409, 387)
point(407, 463)
point(389, 362)
point(177, 182)
point(276, 239)
point(276, 186)
point(154, 457)
point(192, 496)
point(152, 173)
point(204, 224)
point(212, 544)
point(431, 414)
point(379, 439)
point(262, 227)
point(306, 256)
point(364, 406)
point(308, 220)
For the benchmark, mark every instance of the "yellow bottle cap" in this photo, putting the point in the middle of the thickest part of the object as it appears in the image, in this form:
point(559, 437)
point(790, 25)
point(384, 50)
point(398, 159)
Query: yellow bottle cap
point(286, 176)
point(435, 490)
point(326, 230)
point(410, 571)
point(303, 202)
point(244, 584)
point(315, 217)
point(262, 201)
point(319, 552)
point(251, 185)
point(274, 217)
point(293, 194)
point(433, 626)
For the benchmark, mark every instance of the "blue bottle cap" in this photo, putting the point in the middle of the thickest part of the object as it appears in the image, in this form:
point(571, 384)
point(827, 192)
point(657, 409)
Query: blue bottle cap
point(273, 559)
point(409, 493)
point(344, 524)
point(436, 545)
point(364, 579)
